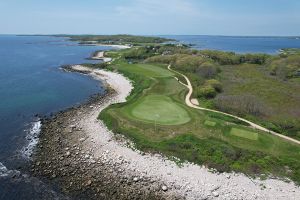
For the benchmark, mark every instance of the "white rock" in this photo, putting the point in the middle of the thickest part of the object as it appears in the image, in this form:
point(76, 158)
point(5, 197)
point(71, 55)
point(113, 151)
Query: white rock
point(216, 194)
point(164, 188)
point(135, 179)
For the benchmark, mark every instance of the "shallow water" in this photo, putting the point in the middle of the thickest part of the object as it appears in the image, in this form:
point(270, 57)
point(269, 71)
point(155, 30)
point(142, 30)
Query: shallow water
point(31, 82)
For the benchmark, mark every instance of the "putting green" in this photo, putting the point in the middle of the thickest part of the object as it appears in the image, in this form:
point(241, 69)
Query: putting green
point(160, 109)
point(244, 134)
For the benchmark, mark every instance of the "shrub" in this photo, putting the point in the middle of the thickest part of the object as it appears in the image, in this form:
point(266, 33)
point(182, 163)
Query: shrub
point(207, 92)
point(215, 84)
point(285, 67)
point(166, 59)
point(137, 53)
point(188, 63)
point(207, 70)
point(230, 58)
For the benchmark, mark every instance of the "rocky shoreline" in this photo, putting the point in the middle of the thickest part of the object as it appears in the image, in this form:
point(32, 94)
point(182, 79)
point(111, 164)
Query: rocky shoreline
point(61, 156)
point(86, 160)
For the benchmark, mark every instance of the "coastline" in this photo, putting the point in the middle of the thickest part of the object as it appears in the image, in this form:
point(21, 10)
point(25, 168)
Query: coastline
point(93, 43)
point(99, 55)
point(76, 151)
point(118, 46)
point(112, 169)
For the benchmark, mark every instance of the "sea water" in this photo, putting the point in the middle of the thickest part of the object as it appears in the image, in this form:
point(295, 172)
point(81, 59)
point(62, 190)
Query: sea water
point(32, 83)
point(239, 44)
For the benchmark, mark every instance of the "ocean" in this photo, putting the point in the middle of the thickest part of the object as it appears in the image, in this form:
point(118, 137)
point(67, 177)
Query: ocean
point(32, 84)
point(239, 44)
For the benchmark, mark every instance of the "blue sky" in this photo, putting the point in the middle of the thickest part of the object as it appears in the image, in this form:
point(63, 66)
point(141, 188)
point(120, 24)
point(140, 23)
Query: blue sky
point(151, 17)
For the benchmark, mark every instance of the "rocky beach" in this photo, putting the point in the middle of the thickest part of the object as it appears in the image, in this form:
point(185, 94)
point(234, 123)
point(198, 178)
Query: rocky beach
point(84, 158)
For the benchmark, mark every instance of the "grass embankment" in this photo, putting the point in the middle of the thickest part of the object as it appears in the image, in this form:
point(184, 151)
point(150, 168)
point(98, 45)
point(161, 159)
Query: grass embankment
point(156, 119)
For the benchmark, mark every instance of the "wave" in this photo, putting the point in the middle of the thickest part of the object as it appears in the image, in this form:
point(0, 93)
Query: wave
point(4, 172)
point(33, 138)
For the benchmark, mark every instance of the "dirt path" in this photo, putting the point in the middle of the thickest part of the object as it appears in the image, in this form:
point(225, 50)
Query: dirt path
point(255, 126)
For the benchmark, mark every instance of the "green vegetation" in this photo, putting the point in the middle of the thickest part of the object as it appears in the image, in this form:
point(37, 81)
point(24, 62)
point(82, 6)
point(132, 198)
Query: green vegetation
point(117, 39)
point(209, 89)
point(156, 119)
point(209, 123)
point(285, 66)
point(259, 87)
point(158, 109)
point(203, 138)
point(250, 91)
point(152, 50)
point(244, 134)
point(231, 58)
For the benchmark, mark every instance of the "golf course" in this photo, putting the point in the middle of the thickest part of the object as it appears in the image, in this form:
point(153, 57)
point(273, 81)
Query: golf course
point(156, 118)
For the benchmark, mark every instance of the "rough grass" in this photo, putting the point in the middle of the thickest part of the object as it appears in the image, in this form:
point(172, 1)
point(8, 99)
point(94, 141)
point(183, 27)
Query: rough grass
point(244, 134)
point(280, 99)
point(158, 109)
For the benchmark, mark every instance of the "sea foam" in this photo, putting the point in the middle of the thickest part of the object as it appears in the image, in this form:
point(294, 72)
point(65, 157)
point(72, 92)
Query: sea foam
point(32, 138)
point(3, 170)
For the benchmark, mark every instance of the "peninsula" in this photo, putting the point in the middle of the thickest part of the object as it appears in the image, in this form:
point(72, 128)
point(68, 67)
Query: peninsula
point(148, 139)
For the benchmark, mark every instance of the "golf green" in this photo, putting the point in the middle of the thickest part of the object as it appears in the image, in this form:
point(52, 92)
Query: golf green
point(159, 109)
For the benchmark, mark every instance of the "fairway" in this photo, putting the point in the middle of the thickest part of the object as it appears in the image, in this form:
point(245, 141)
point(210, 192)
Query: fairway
point(244, 134)
point(160, 109)
point(147, 70)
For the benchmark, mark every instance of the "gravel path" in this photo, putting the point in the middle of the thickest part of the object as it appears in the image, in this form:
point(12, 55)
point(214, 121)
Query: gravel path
point(191, 181)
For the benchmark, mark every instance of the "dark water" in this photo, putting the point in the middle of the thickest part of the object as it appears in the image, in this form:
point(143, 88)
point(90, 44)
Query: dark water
point(269, 45)
point(31, 83)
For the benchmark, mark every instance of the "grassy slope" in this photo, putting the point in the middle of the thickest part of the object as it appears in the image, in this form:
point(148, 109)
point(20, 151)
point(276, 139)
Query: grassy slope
point(280, 98)
point(194, 141)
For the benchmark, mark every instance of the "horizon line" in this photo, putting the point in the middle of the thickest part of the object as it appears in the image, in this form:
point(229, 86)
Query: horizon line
point(215, 35)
